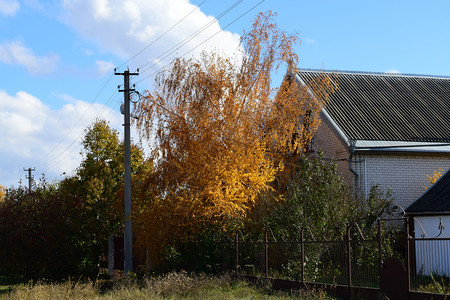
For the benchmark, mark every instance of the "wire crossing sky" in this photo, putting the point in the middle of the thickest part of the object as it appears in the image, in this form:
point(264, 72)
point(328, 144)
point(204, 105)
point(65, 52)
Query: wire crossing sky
point(58, 57)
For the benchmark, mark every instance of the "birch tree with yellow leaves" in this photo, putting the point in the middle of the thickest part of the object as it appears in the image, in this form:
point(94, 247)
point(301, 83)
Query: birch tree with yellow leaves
point(222, 133)
point(2, 192)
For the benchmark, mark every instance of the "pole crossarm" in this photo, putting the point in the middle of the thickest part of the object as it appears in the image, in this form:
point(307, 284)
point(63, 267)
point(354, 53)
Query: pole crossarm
point(29, 177)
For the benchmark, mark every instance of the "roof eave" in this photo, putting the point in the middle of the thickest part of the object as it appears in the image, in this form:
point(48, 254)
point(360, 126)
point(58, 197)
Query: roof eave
point(335, 127)
point(399, 146)
point(426, 213)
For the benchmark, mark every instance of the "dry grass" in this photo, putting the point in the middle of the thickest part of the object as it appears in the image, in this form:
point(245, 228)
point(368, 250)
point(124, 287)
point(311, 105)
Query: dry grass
point(171, 286)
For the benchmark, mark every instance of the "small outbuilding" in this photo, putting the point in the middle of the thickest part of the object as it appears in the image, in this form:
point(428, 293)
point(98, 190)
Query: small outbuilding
point(430, 215)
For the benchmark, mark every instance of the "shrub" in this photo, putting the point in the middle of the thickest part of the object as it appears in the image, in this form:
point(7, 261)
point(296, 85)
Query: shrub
point(43, 235)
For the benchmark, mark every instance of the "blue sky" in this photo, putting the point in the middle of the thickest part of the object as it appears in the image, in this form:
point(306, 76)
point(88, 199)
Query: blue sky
point(57, 57)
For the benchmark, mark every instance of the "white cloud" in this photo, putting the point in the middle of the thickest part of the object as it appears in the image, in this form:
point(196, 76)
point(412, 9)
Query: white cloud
point(101, 9)
point(9, 7)
point(125, 27)
point(104, 67)
point(393, 71)
point(35, 135)
point(309, 41)
point(15, 53)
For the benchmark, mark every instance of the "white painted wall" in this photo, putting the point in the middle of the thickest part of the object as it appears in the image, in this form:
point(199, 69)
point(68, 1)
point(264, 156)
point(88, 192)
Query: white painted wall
point(404, 173)
point(432, 257)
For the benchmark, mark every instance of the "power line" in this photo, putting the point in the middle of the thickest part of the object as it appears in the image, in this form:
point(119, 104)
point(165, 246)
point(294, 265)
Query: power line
point(193, 35)
point(101, 90)
point(162, 35)
point(49, 165)
point(229, 24)
point(180, 44)
point(76, 123)
point(54, 162)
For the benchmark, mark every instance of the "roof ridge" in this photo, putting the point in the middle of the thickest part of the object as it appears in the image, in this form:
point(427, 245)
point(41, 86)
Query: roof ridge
point(375, 73)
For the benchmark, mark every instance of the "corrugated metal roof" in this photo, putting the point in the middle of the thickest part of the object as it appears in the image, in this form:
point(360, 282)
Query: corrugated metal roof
point(388, 106)
point(435, 199)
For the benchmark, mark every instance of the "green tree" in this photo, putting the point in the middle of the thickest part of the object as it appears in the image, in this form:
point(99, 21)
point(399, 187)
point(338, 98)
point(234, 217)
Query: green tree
point(99, 182)
point(318, 200)
point(61, 229)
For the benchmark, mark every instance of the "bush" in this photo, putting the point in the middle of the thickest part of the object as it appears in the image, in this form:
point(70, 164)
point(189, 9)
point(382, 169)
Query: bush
point(209, 252)
point(43, 235)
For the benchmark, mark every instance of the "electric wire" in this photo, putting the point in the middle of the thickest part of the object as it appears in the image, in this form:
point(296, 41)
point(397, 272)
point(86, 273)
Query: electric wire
point(239, 143)
point(61, 156)
point(50, 164)
point(162, 35)
point(134, 56)
point(98, 113)
point(76, 123)
point(54, 161)
point(110, 77)
point(229, 24)
point(169, 52)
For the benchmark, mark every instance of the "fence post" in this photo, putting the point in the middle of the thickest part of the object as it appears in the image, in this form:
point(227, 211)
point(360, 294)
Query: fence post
point(349, 261)
point(266, 253)
point(302, 255)
point(236, 244)
point(380, 252)
point(408, 258)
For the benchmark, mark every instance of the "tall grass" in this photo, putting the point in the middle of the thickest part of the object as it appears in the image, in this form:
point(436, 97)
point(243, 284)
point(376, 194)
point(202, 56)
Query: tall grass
point(171, 286)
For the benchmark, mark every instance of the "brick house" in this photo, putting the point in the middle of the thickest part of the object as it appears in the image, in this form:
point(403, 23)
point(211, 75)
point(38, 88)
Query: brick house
point(386, 129)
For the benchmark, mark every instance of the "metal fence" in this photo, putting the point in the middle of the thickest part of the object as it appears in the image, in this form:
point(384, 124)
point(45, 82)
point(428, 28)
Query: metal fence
point(346, 261)
point(391, 261)
point(429, 257)
point(394, 260)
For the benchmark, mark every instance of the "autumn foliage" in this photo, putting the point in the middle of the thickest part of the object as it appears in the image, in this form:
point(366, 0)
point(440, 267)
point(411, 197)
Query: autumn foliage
point(435, 177)
point(222, 133)
point(2, 192)
point(224, 141)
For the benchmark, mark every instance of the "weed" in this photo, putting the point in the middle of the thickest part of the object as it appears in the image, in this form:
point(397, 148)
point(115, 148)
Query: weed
point(180, 285)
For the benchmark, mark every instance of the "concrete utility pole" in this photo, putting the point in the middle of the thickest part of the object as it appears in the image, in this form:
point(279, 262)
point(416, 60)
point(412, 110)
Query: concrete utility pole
point(30, 178)
point(128, 237)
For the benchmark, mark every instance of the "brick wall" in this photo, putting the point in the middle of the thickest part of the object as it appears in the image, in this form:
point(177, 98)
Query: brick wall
point(405, 173)
point(333, 148)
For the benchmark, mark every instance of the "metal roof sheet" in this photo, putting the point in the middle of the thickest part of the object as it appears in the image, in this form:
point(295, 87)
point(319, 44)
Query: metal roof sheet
point(388, 106)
